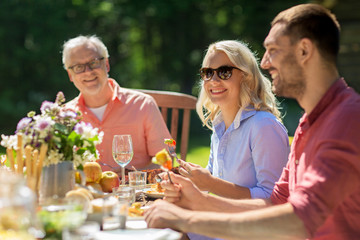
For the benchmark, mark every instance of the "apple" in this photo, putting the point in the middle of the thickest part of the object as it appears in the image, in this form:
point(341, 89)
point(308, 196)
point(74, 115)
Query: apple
point(109, 180)
point(92, 171)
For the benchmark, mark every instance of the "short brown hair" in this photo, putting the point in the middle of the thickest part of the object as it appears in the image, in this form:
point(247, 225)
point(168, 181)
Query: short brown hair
point(314, 22)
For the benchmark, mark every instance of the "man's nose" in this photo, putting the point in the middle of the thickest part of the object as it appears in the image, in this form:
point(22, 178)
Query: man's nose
point(87, 67)
point(265, 61)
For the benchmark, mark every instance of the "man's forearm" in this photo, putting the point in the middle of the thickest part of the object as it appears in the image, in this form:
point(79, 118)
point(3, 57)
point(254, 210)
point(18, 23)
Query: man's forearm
point(276, 222)
point(220, 204)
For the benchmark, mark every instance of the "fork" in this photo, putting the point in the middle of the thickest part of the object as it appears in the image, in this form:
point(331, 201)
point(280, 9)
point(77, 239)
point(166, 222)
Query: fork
point(167, 171)
point(172, 152)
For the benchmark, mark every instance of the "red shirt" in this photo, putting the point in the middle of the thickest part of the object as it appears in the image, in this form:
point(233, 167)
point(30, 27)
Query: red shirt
point(322, 177)
point(128, 112)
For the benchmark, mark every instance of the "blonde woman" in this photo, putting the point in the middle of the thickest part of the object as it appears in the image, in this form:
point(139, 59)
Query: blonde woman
point(249, 144)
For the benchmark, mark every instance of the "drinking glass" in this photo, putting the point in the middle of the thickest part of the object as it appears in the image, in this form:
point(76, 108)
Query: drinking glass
point(125, 193)
point(137, 179)
point(122, 150)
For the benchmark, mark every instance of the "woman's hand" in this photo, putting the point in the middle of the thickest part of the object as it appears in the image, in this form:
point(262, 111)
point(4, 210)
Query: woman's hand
point(200, 176)
point(182, 192)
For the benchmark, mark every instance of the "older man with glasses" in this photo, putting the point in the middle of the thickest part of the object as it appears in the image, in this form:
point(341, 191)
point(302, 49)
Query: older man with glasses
point(113, 109)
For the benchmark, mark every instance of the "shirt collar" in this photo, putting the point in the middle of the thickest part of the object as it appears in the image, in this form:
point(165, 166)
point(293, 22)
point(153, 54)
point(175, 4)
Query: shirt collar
point(326, 100)
point(117, 91)
point(241, 115)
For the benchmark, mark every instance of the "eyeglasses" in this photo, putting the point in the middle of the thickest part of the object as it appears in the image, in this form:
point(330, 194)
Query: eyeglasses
point(223, 72)
point(93, 64)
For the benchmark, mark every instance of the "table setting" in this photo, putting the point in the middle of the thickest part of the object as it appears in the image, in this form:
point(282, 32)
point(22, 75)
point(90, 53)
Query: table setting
point(51, 160)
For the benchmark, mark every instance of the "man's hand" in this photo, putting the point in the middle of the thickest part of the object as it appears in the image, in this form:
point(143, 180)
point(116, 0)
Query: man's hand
point(197, 174)
point(162, 214)
point(183, 192)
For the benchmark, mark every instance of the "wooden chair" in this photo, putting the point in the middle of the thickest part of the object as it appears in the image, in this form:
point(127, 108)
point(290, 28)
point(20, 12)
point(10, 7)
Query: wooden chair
point(175, 101)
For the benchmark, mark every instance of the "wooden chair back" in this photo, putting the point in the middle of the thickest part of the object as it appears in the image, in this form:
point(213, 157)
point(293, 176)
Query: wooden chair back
point(175, 101)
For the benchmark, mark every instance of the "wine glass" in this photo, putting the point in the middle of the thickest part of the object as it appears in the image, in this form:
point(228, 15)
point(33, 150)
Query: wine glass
point(122, 150)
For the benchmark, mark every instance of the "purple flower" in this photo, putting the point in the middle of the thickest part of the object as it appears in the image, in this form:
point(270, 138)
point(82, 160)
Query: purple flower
point(43, 123)
point(23, 123)
point(46, 106)
point(68, 114)
point(79, 128)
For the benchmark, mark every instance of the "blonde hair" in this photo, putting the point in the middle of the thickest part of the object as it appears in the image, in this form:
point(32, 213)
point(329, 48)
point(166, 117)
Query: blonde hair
point(255, 88)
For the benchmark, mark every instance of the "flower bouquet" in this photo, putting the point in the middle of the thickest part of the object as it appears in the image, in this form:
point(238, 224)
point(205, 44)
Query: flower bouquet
point(61, 129)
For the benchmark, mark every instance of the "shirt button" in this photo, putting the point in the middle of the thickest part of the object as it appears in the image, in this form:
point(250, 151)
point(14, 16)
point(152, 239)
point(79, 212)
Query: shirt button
point(296, 162)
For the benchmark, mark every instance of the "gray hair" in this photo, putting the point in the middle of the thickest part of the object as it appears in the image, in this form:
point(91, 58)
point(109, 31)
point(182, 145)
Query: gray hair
point(80, 41)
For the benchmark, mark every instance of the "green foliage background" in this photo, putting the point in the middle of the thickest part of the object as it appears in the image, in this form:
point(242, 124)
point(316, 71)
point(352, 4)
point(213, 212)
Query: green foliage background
point(153, 44)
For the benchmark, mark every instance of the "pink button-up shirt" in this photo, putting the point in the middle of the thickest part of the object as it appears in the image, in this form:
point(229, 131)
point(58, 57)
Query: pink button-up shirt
point(322, 177)
point(128, 112)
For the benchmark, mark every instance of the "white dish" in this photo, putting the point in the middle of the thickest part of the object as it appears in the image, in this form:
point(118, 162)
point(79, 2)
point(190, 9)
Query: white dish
point(136, 224)
point(97, 217)
point(152, 194)
point(135, 218)
point(132, 234)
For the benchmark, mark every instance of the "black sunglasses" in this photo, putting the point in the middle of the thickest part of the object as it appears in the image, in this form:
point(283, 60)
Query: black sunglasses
point(223, 72)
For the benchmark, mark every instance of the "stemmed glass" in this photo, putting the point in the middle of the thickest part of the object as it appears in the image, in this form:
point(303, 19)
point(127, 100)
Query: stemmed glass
point(122, 150)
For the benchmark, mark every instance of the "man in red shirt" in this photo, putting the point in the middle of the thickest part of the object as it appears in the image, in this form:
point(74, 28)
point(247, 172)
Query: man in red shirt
point(111, 108)
point(318, 194)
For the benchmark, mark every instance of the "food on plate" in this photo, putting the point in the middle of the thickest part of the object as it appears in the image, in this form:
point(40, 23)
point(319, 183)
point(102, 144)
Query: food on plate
point(156, 189)
point(151, 175)
point(92, 171)
point(171, 142)
point(135, 210)
point(109, 180)
point(163, 159)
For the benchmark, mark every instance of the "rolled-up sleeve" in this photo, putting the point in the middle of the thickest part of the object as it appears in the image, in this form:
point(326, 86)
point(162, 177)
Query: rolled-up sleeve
point(330, 179)
point(280, 192)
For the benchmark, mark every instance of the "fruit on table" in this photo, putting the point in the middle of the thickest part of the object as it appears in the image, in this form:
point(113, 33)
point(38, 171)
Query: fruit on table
point(169, 141)
point(109, 180)
point(92, 171)
point(86, 192)
point(163, 158)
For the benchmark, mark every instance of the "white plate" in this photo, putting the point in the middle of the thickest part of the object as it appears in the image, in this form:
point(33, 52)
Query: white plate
point(149, 234)
point(135, 218)
point(153, 194)
point(136, 224)
point(97, 217)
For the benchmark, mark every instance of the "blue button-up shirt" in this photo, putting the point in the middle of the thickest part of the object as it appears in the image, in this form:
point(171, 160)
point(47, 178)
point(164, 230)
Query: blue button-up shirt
point(251, 152)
